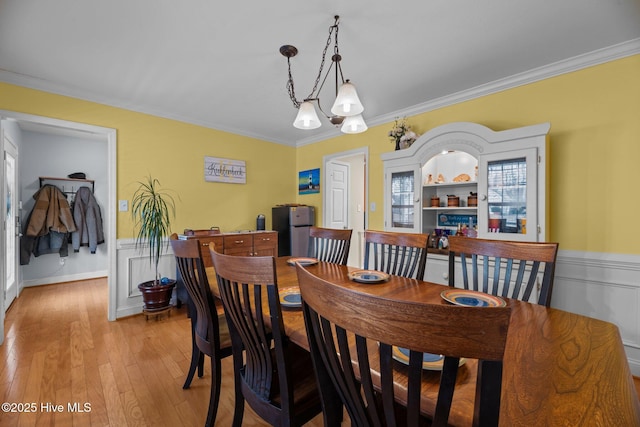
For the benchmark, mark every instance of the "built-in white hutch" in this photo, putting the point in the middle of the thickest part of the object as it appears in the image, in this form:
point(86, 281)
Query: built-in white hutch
point(465, 173)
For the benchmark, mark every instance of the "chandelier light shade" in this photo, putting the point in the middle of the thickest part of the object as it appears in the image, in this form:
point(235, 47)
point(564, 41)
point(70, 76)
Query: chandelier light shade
point(347, 102)
point(307, 117)
point(346, 105)
point(354, 124)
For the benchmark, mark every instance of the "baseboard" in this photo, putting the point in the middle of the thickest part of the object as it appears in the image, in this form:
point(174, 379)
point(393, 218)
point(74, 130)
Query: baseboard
point(66, 278)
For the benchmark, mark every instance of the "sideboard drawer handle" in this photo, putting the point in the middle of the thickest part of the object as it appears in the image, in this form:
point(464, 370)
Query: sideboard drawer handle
point(205, 244)
point(239, 241)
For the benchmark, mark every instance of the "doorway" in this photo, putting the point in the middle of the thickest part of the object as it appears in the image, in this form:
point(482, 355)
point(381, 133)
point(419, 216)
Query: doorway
point(347, 188)
point(100, 135)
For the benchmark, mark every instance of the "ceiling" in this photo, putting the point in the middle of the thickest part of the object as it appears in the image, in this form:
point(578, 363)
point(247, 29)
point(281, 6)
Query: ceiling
point(217, 64)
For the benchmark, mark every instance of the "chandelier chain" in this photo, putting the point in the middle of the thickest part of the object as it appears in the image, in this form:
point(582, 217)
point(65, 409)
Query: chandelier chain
point(324, 54)
point(290, 86)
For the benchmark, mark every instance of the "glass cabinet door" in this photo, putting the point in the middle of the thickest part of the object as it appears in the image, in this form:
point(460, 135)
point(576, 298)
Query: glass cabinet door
point(507, 208)
point(403, 193)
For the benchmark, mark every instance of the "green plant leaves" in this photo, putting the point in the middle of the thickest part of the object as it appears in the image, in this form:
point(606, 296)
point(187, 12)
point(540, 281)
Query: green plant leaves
point(152, 209)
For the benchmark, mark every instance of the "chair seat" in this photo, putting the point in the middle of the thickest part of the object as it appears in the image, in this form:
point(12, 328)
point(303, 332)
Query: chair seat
point(225, 335)
point(305, 388)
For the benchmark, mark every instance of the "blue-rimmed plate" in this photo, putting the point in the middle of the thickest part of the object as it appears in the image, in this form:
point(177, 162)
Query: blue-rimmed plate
point(431, 362)
point(368, 276)
point(302, 261)
point(290, 297)
point(472, 298)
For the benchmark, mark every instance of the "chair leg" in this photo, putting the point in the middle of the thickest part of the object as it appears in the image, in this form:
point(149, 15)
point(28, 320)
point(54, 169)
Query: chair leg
point(201, 365)
point(197, 358)
point(214, 398)
point(238, 410)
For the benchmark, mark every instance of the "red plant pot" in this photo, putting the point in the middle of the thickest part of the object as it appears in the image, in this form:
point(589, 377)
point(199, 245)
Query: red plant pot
point(156, 296)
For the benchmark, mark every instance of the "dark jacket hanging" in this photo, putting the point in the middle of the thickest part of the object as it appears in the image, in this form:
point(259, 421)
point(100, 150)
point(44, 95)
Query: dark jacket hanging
point(48, 226)
point(86, 214)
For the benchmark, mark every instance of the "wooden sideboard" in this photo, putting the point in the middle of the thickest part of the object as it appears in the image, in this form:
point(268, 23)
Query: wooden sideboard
point(243, 243)
point(239, 243)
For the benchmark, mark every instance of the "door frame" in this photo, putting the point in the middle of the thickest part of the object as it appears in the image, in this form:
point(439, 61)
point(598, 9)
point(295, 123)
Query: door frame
point(110, 137)
point(13, 150)
point(343, 157)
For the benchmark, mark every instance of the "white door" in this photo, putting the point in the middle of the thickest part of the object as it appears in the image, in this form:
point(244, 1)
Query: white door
point(9, 226)
point(338, 209)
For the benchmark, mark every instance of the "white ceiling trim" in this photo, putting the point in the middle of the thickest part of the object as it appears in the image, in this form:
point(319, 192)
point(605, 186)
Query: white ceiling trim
point(51, 87)
point(601, 56)
point(625, 49)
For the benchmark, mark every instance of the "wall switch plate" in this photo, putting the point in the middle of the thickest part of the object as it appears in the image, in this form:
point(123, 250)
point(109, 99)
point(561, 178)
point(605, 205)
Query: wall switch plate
point(123, 205)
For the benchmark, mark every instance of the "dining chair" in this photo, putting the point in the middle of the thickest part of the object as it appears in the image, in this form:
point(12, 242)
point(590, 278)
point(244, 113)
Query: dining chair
point(182, 294)
point(209, 331)
point(355, 338)
point(400, 254)
point(274, 375)
point(330, 244)
point(509, 269)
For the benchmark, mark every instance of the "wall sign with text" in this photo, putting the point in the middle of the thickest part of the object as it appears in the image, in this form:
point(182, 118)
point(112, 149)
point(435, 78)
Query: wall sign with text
point(225, 170)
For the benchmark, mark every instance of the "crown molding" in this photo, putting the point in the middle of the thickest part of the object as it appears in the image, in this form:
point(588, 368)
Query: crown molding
point(600, 56)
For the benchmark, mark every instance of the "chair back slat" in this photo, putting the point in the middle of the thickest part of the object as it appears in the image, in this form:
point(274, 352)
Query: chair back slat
point(191, 267)
point(507, 276)
point(275, 375)
point(352, 336)
point(329, 244)
point(241, 286)
point(400, 254)
point(517, 269)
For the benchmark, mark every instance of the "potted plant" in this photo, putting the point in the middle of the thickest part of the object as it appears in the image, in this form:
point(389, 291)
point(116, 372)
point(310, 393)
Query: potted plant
point(152, 209)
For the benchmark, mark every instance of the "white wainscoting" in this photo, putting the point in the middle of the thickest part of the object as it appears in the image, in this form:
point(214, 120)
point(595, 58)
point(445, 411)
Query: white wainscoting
point(599, 285)
point(606, 287)
point(134, 268)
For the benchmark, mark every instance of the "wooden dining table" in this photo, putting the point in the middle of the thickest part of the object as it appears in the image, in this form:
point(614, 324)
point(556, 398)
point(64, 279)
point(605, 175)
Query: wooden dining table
point(559, 368)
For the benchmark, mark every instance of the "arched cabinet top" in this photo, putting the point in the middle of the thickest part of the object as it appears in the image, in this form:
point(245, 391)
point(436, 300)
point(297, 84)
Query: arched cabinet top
point(472, 138)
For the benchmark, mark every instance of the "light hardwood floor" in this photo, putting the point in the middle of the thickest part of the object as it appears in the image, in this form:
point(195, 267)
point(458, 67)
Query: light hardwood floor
point(60, 349)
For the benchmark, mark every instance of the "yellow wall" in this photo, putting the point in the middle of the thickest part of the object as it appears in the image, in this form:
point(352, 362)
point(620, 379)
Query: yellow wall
point(594, 155)
point(174, 153)
point(594, 150)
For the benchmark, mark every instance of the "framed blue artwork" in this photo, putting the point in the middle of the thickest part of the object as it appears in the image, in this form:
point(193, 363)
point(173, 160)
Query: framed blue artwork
point(309, 181)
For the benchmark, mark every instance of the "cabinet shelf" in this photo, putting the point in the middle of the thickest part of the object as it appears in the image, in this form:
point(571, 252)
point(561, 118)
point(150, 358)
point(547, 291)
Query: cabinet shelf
point(451, 208)
point(452, 184)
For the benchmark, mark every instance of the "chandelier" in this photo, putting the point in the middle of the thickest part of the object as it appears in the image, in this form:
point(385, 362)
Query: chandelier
point(347, 108)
